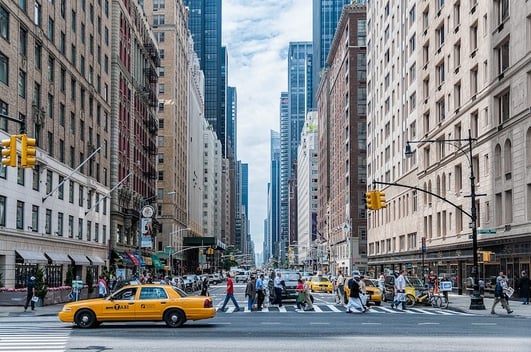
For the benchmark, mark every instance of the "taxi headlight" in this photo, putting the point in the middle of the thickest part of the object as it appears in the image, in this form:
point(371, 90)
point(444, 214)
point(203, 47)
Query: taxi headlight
point(67, 309)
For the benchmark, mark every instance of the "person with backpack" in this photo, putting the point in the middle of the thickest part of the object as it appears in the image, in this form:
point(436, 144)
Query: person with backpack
point(500, 295)
point(354, 300)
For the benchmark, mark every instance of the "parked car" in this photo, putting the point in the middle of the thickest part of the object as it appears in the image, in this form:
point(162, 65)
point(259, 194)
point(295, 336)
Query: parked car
point(214, 279)
point(147, 302)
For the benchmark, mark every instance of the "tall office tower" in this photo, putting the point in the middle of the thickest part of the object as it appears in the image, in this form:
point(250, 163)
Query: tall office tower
point(205, 25)
point(242, 204)
point(307, 171)
point(232, 120)
point(55, 81)
point(342, 143)
point(465, 86)
point(169, 23)
point(326, 14)
point(134, 126)
point(294, 105)
point(273, 196)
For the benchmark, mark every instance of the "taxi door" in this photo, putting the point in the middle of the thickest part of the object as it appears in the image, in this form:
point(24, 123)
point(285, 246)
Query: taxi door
point(151, 303)
point(121, 307)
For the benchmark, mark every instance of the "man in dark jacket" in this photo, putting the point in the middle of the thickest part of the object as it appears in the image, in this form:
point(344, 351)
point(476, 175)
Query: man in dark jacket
point(30, 294)
point(524, 288)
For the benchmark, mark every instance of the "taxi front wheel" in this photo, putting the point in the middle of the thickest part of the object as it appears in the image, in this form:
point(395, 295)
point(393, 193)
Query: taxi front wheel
point(85, 319)
point(174, 318)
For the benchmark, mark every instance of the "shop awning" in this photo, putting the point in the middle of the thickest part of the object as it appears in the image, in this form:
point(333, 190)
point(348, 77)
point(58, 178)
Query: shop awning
point(31, 256)
point(148, 261)
point(140, 260)
point(156, 262)
point(133, 258)
point(123, 258)
point(95, 260)
point(58, 258)
point(79, 259)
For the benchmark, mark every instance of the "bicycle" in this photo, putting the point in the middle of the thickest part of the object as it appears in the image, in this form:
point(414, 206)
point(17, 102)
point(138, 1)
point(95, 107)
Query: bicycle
point(435, 300)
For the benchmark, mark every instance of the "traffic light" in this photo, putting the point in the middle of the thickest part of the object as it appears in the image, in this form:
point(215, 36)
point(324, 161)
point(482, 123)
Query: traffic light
point(380, 196)
point(210, 251)
point(488, 256)
point(9, 151)
point(28, 153)
point(371, 200)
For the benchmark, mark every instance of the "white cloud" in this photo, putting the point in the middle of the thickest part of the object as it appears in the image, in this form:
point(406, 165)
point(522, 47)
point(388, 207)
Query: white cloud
point(257, 34)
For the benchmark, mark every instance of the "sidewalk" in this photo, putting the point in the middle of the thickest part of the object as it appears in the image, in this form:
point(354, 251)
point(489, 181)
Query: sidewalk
point(18, 311)
point(461, 303)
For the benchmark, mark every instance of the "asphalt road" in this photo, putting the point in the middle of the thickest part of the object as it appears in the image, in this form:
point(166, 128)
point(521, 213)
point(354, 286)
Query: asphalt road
point(380, 330)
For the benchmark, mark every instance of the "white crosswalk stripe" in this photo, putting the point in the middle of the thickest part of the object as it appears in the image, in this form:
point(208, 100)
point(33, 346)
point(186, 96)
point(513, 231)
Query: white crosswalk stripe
point(333, 308)
point(32, 339)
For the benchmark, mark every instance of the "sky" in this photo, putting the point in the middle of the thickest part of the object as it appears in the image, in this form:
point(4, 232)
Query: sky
point(257, 35)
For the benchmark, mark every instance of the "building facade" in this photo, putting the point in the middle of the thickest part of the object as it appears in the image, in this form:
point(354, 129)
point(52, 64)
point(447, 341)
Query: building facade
point(462, 65)
point(294, 106)
point(342, 132)
point(55, 77)
point(307, 173)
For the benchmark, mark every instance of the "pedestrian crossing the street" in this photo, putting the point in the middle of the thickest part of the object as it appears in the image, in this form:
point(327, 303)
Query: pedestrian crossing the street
point(333, 308)
point(31, 338)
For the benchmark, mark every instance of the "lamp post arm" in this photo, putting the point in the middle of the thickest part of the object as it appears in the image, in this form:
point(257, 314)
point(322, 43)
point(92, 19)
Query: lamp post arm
point(428, 192)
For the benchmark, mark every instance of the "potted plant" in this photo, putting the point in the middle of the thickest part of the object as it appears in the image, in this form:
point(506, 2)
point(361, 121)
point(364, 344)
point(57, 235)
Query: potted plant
point(40, 285)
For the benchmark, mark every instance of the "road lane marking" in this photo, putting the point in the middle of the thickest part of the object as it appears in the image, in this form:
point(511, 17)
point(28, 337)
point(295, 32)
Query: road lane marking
point(484, 324)
point(428, 323)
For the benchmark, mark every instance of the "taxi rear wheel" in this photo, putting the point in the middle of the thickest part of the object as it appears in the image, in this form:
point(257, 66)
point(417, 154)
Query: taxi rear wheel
point(85, 319)
point(174, 318)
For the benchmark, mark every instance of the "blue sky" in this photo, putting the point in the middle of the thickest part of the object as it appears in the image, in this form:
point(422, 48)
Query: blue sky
point(257, 34)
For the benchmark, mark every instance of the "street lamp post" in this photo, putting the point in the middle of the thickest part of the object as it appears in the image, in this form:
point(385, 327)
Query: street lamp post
point(476, 300)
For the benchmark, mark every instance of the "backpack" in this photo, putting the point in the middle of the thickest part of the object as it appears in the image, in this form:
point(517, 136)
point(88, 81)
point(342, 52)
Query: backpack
point(354, 288)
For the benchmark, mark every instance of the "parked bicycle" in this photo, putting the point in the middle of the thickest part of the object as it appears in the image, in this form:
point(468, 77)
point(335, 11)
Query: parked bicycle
point(436, 300)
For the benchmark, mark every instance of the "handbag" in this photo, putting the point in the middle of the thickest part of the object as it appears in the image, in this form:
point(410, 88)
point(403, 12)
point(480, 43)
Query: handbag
point(35, 299)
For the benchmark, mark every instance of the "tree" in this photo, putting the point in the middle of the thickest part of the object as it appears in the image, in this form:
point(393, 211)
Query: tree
point(40, 285)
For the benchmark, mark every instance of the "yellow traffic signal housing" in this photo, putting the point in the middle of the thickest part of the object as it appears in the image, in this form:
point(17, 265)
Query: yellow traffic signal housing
point(210, 251)
point(371, 200)
point(381, 199)
point(28, 154)
point(487, 256)
point(9, 151)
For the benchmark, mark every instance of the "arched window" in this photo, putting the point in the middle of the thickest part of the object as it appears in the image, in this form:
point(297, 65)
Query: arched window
point(497, 161)
point(507, 158)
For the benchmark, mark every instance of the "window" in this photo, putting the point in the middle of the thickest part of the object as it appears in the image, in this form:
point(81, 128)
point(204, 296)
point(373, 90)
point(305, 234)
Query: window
point(457, 95)
point(23, 42)
point(4, 23)
point(48, 222)
point(70, 226)
point(502, 10)
point(73, 23)
point(80, 229)
point(20, 215)
point(81, 196)
point(440, 35)
point(4, 69)
point(51, 29)
point(34, 218)
point(2, 210)
point(502, 106)
point(441, 109)
point(158, 20)
point(37, 14)
point(89, 230)
point(61, 190)
point(60, 217)
point(502, 56)
point(36, 178)
point(457, 56)
point(22, 84)
point(38, 56)
point(473, 38)
point(441, 74)
point(457, 16)
point(412, 44)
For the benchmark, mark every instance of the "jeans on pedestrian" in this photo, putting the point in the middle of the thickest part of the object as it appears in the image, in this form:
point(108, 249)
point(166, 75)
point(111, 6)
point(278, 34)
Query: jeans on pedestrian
point(29, 301)
point(278, 296)
point(504, 303)
point(250, 301)
point(231, 297)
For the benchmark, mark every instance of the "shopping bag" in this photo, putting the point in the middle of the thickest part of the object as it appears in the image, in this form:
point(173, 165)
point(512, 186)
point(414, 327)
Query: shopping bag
point(35, 299)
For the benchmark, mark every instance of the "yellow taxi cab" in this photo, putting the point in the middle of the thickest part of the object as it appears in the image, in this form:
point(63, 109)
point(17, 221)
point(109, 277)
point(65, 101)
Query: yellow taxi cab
point(319, 283)
point(374, 294)
point(148, 302)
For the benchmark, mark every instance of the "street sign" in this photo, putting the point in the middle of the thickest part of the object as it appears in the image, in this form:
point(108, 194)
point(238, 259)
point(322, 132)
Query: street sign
point(486, 231)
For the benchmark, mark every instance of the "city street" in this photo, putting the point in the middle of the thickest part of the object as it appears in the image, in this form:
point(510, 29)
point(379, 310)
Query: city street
point(327, 329)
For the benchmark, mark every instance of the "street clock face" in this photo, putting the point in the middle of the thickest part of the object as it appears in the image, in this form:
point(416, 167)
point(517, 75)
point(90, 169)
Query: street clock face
point(147, 211)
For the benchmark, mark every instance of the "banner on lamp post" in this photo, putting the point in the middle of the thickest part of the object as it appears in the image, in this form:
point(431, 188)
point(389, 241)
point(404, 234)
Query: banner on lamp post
point(146, 235)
